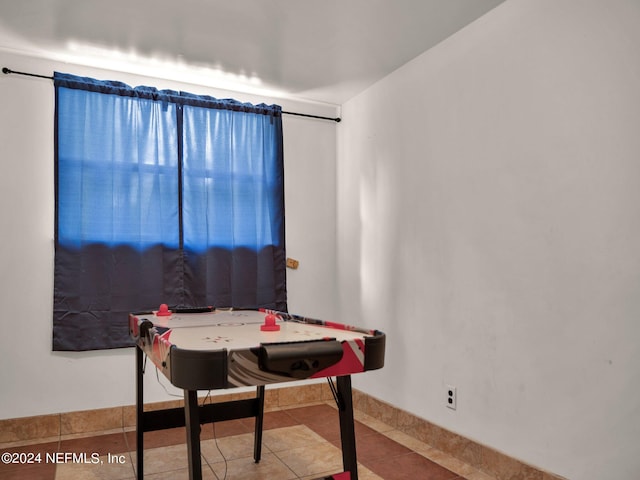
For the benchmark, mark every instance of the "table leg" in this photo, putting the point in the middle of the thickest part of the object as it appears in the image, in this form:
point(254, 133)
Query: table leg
point(257, 436)
point(139, 415)
point(347, 430)
point(192, 421)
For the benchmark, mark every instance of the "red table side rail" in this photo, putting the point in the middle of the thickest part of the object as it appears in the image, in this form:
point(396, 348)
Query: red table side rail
point(324, 323)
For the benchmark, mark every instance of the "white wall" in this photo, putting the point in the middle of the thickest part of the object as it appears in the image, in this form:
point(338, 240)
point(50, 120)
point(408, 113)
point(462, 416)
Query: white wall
point(489, 222)
point(33, 379)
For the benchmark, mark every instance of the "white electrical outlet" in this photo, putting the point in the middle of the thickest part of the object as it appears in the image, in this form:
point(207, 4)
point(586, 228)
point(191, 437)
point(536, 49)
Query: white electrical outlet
point(452, 397)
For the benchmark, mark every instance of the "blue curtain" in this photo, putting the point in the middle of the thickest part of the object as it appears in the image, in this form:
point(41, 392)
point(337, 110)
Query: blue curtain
point(161, 197)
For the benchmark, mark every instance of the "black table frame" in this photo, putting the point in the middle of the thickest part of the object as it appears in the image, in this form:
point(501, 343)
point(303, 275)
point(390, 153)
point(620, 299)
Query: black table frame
point(194, 415)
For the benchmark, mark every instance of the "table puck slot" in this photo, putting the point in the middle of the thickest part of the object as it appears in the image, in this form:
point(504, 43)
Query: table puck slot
point(299, 359)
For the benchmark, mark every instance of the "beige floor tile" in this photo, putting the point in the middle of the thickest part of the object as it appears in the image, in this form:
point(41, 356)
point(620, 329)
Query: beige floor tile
point(163, 459)
point(287, 438)
point(312, 459)
point(269, 468)
point(182, 474)
point(319, 475)
point(228, 448)
point(365, 474)
point(99, 471)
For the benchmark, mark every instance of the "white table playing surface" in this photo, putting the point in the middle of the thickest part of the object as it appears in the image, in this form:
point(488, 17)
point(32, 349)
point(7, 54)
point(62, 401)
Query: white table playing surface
point(239, 329)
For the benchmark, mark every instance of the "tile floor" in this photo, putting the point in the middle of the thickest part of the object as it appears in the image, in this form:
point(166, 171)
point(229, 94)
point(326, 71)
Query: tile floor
point(298, 443)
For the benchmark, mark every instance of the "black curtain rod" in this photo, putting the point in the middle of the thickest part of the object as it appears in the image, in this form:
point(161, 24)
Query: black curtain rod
point(336, 119)
point(6, 70)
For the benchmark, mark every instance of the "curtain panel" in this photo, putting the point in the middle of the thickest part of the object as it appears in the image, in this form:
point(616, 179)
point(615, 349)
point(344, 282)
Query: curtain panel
point(161, 197)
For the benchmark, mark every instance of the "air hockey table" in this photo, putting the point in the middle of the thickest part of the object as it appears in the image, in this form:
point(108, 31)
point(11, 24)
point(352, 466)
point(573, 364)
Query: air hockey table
point(210, 349)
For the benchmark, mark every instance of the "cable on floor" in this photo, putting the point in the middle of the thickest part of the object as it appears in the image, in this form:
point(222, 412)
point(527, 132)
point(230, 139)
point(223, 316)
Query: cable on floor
point(215, 438)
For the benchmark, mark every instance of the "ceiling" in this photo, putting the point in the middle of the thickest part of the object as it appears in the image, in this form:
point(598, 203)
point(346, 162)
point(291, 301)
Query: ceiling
point(322, 50)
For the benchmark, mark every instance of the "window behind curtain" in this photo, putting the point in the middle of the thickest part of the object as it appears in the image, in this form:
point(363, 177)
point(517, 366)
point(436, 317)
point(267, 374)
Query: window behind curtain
point(161, 197)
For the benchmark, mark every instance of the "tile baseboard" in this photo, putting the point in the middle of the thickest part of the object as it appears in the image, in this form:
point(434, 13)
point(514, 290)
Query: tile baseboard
point(32, 429)
point(29, 430)
point(479, 456)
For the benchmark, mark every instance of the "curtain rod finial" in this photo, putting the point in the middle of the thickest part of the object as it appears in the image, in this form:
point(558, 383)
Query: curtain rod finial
point(5, 70)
